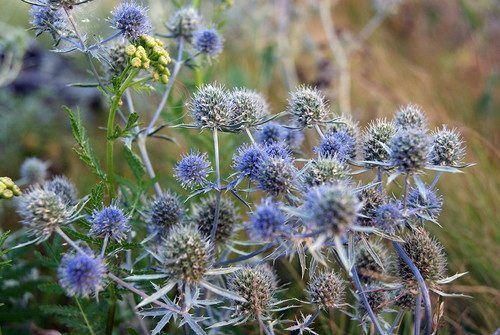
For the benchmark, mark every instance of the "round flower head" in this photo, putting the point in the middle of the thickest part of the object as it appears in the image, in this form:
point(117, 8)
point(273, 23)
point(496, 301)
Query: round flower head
point(325, 170)
point(34, 171)
point(409, 150)
point(117, 59)
point(192, 170)
point(48, 19)
point(376, 139)
point(294, 139)
point(64, 188)
point(372, 199)
point(81, 274)
point(369, 269)
point(405, 296)
point(63, 3)
point(185, 252)
point(427, 206)
point(326, 290)
point(410, 117)
point(248, 159)
point(345, 124)
point(257, 285)
point(209, 107)
point(307, 106)
point(339, 144)
point(426, 253)
point(447, 148)
point(248, 107)
point(267, 221)
point(377, 299)
point(276, 176)
point(271, 132)
point(166, 210)
point(333, 207)
point(208, 41)
point(389, 217)
point(204, 217)
point(109, 221)
point(131, 20)
point(43, 211)
point(184, 23)
point(279, 150)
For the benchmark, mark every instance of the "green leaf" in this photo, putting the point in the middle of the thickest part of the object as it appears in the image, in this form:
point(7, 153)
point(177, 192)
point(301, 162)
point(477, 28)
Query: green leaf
point(96, 196)
point(134, 163)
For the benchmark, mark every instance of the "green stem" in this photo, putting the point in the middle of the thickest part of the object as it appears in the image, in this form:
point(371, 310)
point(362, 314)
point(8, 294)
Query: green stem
point(110, 322)
point(91, 331)
point(213, 232)
point(110, 141)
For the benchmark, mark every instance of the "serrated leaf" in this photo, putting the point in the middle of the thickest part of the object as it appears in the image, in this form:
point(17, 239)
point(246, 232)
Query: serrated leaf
point(134, 163)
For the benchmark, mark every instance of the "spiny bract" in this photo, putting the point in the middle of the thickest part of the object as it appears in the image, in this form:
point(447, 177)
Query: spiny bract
point(327, 290)
point(204, 217)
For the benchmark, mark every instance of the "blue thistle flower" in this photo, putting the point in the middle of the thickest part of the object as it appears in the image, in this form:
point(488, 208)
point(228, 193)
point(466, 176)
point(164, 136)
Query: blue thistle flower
point(409, 150)
point(193, 169)
point(209, 107)
point(248, 159)
point(410, 117)
point(307, 106)
point(81, 274)
point(33, 171)
point(279, 150)
point(48, 19)
point(208, 41)
point(247, 106)
point(166, 210)
point(64, 188)
point(131, 20)
point(389, 217)
point(427, 206)
point(339, 144)
point(271, 132)
point(277, 176)
point(109, 221)
point(375, 140)
point(294, 139)
point(267, 221)
point(184, 22)
point(447, 147)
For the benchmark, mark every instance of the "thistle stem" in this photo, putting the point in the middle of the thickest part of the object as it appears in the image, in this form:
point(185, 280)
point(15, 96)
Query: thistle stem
point(418, 314)
point(87, 323)
point(319, 131)
point(250, 136)
point(265, 248)
point(213, 232)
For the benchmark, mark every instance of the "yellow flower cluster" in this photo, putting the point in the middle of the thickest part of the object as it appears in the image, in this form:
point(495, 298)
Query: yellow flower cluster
point(148, 53)
point(8, 189)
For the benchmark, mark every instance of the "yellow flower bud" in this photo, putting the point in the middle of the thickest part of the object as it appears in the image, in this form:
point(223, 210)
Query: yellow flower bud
point(2, 187)
point(145, 64)
point(7, 194)
point(16, 190)
point(136, 62)
point(156, 76)
point(164, 78)
point(149, 41)
point(163, 60)
point(7, 182)
point(130, 49)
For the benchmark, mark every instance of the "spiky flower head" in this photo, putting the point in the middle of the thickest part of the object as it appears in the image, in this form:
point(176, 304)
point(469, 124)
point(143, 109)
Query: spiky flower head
point(8, 188)
point(257, 285)
point(326, 290)
point(208, 41)
point(370, 268)
point(377, 297)
point(279, 150)
point(81, 274)
point(426, 253)
point(325, 170)
point(405, 296)
point(333, 207)
point(389, 217)
point(184, 23)
point(247, 107)
point(426, 203)
point(185, 252)
point(271, 132)
point(48, 19)
point(165, 210)
point(294, 139)
point(116, 59)
point(447, 148)
point(372, 199)
point(64, 188)
point(193, 169)
point(267, 221)
point(376, 139)
point(307, 106)
point(204, 217)
point(42, 211)
point(68, 4)
point(34, 170)
point(110, 221)
point(248, 159)
point(277, 176)
point(131, 20)
point(339, 144)
point(344, 124)
point(409, 150)
point(209, 107)
point(410, 117)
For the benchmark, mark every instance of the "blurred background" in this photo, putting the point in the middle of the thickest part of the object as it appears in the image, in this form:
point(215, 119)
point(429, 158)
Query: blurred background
point(368, 59)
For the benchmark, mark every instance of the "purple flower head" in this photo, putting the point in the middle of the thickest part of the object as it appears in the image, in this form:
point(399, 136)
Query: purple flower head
point(48, 19)
point(109, 221)
point(339, 144)
point(389, 217)
point(277, 176)
point(266, 221)
point(409, 150)
point(208, 41)
point(278, 150)
point(248, 159)
point(427, 206)
point(270, 133)
point(294, 138)
point(81, 274)
point(131, 20)
point(193, 169)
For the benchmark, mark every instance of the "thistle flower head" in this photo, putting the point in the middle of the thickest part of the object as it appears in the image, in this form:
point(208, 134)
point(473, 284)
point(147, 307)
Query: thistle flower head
point(426, 253)
point(193, 169)
point(247, 106)
point(405, 296)
point(62, 3)
point(339, 144)
point(267, 221)
point(344, 124)
point(409, 150)
point(279, 150)
point(209, 107)
point(248, 159)
point(277, 176)
point(326, 290)
point(447, 148)
point(186, 253)
point(294, 139)
point(376, 139)
point(64, 188)
point(34, 170)
point(48, 19)
point(257, 285)
point(333, 207)
point(131, 20)
point(43, 211)
point(368, 267)
point(389, 217)
point(372, 199)
point(271, 132)
point(208, 41)
point(204, 217)
point(165, 210)
point(81, 274)
point(377, 297)
point(116, 59)
point(427, 205)
point(410, 117)
point(325, 170)
point(110, 221)
point(184, 23)
point(307, 106)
